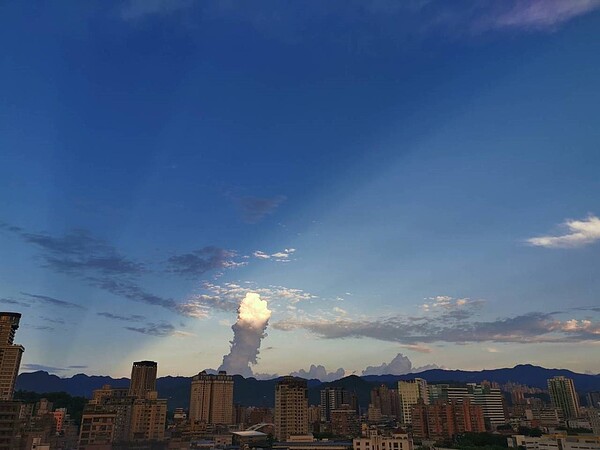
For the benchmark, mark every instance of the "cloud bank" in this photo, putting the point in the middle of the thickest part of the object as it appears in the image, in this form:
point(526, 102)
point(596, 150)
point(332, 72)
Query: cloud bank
point(579, 234)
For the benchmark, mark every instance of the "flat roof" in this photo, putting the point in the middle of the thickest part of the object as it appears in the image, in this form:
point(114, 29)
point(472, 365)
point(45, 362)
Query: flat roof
point(249, 433)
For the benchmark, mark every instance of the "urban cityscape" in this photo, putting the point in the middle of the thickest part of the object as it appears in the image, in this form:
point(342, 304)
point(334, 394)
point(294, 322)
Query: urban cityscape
point(300, 225)
point(405, 415)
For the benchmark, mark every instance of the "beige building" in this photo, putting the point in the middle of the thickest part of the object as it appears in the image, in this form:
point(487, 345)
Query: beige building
point(10, 354)
point(564, 397)
point(97, 428)
point(291, 408)
point(211, 399)
point(143, 378)
point(378, 442)
point(148, 418)
point(409, 393)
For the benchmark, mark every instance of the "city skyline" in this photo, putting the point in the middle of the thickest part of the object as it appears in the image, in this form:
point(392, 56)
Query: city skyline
point(404, 186)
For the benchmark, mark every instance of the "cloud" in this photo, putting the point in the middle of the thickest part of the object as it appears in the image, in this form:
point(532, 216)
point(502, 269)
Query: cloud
point(579, 233)
point(50, 320)
point(533, 327)
point(227, 297)
point(128, 318)
point(50, 369)
point(78, 253)
point(198, 262)
point(53, 301)
point(536, 15)
point(161, 329)
point(319, 373)
point(281, 256)
point(11, 301)
point(36, 367)
point(255, 209)
point(400, 365)
point(140, 9)
point(40, 327)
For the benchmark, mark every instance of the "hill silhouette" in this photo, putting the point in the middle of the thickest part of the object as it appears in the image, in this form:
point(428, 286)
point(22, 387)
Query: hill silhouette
point(253, 392)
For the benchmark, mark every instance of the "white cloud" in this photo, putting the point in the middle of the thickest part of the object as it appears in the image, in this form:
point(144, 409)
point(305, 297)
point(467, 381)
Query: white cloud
point(542, 14)
point(400, 365)
point(579, 233)
point(320, 373)
point(284, 255)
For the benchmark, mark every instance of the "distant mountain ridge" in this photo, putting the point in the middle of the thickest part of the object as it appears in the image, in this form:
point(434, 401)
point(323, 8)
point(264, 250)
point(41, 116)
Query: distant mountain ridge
point(252, 392)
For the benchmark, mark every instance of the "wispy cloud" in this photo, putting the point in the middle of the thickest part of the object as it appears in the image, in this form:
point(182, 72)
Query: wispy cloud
point(536, 15)
point(50, 369)
point(579, 233)
point(127, 318)
point(533, 327)
point(198, 262)
point(12, 301)
point(284, 255)
point(255, 209)
point(53, 301)
point(160, 329)
point(226, 297)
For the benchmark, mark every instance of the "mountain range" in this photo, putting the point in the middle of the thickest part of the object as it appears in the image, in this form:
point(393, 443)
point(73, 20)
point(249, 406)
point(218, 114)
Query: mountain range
point(252, 392)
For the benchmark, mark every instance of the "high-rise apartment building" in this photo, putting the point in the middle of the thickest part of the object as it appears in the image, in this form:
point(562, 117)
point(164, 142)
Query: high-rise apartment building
point(143, 378)
point(291, 408)
point(10, 354)
point(410, 393)
point(444, 419)
point(148, 418)
point(332, 398)
point(564, 396)
point(211, 399)
point(492, 404)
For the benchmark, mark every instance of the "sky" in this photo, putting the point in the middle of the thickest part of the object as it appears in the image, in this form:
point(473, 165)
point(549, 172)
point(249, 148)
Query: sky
point(406, 184)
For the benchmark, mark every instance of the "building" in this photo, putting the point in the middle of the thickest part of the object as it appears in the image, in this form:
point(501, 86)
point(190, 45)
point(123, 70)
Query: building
point(97, 428)
point(332, 398)
point(143, 378)
point(555, 442)
point(148, 418)
point(211, 399)
point(593, 399)
point(378, 442)
point(114, 417)
point(9, 424)
point(409, 394)
point(492, 404)
point(444, 419)
point(344, 422)
point(10, 354)
point(564, 396)
point(291, 408)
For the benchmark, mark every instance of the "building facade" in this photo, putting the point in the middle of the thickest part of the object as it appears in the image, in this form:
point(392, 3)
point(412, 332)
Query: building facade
point(291, 408)
point(211, 399)
point(564, 396)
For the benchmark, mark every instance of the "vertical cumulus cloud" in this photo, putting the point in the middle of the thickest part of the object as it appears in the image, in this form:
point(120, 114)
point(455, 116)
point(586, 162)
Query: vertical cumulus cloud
point(248, 331)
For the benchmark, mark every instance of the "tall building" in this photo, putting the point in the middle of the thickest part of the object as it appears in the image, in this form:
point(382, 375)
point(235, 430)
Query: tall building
point(409, 393)
point(563, 396)
point(344, 422)
point(10, 354)
point(143, 378)
point(381, 398)
point(148, 418)
point(332, 398)
point(492, 404)
point(444, 419)
point(291, 408)
point(211, 399)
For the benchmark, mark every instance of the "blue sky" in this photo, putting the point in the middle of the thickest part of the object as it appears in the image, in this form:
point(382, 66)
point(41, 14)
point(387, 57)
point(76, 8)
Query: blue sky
point(413, 177)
